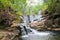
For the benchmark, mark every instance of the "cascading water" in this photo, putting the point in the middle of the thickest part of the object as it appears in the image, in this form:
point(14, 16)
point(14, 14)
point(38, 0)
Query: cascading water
point(31, 34)
point(24, 26)
point(35, 35)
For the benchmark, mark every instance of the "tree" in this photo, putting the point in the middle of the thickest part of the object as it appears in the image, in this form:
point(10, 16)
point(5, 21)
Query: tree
point(10, 10)
point(53, 10)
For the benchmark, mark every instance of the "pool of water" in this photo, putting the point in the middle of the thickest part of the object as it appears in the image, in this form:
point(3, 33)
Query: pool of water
point(41, 36)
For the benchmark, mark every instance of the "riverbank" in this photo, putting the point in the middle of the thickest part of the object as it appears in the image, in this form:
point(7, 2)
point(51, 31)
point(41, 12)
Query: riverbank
point(8, 35)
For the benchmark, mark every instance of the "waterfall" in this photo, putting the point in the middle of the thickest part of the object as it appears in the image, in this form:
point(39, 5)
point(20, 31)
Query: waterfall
point(22, 29)
point(28, 33)
point(24, 25)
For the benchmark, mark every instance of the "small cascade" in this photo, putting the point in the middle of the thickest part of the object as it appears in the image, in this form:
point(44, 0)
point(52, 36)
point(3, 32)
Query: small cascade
point(28, 33)
point(24, 25)
point(22, 29)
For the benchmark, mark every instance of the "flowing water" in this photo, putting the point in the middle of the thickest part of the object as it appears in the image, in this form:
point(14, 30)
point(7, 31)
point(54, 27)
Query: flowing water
point(31, 34)
point(36, 35)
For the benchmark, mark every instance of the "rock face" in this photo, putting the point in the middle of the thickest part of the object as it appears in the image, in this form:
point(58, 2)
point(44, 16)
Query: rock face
point(54, 23)
point(37, 25)
point(6, 17)
point(5, 35)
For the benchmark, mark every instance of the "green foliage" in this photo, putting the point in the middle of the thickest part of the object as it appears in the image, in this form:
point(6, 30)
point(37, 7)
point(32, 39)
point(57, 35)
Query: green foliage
point(53, 6)
point(38, 7)
point(53, 11)
point(44, 6)
point(16, 5)
point(34, 9)
point(10, 10)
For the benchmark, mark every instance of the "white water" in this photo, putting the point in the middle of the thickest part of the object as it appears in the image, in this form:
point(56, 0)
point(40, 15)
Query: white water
point(34, 32)
point(35, 35)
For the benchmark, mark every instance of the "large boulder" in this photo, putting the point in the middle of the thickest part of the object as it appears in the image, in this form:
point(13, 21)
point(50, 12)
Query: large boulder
point(36, 24)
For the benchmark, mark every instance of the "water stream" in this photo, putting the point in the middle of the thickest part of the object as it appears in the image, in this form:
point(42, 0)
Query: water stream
point(32, 34)
point(36, 35)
